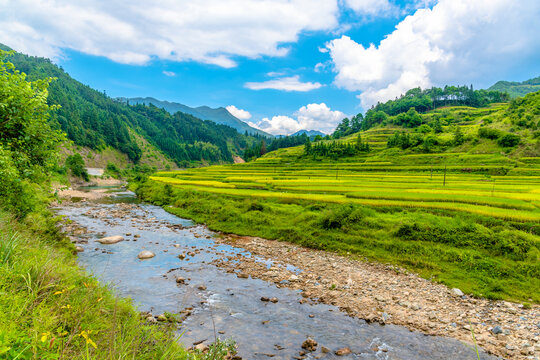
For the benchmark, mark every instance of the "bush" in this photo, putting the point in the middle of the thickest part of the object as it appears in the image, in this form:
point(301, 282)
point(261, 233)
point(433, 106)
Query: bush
point(509, 140)
point(488, 133)
point(75, 164)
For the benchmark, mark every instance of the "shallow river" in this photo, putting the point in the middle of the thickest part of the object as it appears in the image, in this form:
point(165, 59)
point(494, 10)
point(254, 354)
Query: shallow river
point(228, 306)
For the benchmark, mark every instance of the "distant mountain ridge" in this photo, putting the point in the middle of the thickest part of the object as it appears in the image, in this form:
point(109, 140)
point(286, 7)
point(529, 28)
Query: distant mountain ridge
point(310, 133)
point(219, 115)
point(517, 89)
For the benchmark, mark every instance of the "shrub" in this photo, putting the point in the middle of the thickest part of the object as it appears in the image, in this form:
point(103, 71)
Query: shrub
point(509, 140)
point(75, 164)
point(488, 133)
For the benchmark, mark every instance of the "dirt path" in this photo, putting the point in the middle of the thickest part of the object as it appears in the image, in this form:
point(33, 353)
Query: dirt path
point(390, 295)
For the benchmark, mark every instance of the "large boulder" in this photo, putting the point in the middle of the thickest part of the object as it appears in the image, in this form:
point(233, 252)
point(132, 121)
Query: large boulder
point(111, 239)
point(145, 254)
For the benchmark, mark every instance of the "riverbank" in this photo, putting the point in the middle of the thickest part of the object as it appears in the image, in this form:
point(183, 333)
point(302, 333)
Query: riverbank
point(390, 295)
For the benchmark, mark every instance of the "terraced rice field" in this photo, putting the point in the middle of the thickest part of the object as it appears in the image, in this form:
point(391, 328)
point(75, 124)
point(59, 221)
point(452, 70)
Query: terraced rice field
point(377, 184)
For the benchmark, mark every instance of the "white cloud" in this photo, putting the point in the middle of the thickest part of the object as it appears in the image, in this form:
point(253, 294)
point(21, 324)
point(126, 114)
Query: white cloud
point(291, 83)
point(169, 73)
point(370, 7)
point(239, 113)
point(310, 117)
point(456, 42)
point(134, 32)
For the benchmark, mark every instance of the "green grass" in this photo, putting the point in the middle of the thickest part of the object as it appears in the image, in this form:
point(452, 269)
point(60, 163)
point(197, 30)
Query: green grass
point(50, 309)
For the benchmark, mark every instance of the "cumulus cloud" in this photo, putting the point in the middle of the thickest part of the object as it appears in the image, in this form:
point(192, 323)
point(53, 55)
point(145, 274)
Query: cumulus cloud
point(456, 42)
point(291, 83)
point(310, 117)
point(169, 73)
point(239, 113)
point(134, 32)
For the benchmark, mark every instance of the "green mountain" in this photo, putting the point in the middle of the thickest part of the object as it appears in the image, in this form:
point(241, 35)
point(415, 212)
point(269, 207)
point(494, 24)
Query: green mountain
point(93, 120)
point(516, 89)
point(309, 133)
point(219, 115)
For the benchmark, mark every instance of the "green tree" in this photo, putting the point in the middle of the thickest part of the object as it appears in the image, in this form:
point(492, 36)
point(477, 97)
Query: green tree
point(75, 164)
point(28, 145)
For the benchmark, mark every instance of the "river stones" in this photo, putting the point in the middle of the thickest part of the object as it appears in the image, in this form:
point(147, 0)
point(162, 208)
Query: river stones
point(79, 248)
point(145, 254)
point(309, 344)
point(111, 239)
point(180, 280)
point(343, 351)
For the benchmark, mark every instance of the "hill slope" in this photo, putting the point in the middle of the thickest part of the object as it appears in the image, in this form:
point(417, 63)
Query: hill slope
point(93, 120)
point(516, 89)
point(219, 115)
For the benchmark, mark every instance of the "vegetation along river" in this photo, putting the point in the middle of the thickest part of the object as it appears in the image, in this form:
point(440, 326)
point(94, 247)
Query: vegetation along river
point(218, 303)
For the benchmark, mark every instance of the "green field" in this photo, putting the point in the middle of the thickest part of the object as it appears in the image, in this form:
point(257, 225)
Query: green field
point(466, 215)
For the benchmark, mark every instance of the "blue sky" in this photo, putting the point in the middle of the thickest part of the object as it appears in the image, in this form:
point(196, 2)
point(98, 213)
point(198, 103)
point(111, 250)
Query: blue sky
point(281, 65)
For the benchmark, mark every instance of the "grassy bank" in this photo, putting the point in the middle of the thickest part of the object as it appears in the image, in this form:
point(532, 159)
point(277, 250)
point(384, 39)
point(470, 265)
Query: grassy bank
point(50, 309)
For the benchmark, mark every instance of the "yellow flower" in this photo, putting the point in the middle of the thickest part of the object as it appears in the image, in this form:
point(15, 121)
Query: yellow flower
point(85, 334)
point(45, 336)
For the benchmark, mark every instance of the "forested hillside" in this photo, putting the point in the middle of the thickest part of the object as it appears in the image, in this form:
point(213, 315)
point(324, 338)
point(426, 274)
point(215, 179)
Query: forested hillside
point(219, 116)
point(92, 119)
point(423, 101)
point(515, 88)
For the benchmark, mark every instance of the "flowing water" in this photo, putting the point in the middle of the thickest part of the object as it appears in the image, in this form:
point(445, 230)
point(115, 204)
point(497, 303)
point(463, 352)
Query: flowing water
point(227, 306)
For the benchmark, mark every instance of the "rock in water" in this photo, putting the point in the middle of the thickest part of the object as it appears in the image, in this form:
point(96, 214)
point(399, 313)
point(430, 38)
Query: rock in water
point(145, 254)
point(79, 248)
point(343, 351)
point(111, 239)
point(180, 280)
point(309, 344)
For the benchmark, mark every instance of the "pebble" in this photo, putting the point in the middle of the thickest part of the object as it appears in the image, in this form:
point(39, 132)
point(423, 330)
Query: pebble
point(497, 330)
point(145, 254)
point(343, 351)
point(111, 239)
point(457, 292)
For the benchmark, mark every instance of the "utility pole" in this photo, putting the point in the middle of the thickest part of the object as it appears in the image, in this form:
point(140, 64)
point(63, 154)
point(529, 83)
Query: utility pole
point(444, 179)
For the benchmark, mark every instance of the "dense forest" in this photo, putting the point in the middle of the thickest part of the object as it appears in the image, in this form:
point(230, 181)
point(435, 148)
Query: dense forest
point(185, 138)
point(90, 118)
